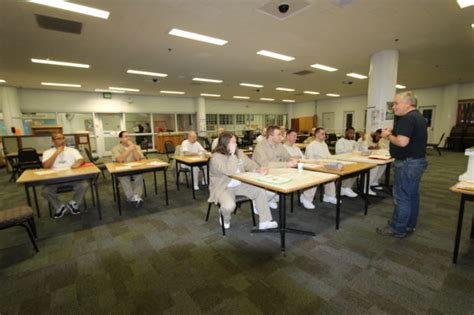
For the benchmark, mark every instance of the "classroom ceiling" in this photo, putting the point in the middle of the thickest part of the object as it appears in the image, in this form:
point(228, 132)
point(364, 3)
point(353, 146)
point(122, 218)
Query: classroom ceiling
point(434, 37)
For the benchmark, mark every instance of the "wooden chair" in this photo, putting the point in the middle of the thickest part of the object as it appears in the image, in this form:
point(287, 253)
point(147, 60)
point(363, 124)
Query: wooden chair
point(20, 216)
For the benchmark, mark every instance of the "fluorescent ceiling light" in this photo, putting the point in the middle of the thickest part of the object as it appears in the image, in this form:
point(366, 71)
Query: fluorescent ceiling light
point(288, 101)
point(61, 84)
point(198, 37)
point(356, 75)
point(60, 63)
point(285, 89)
point(241, 97)
point(399, 86)
point(68, 6)
point(171, 92)
point(3, 81)
point(333, 95)
point(152, 74)
point(251, 85)
point(123, 89)
point(323, 67)
point(207, 80)
point(311, 92)
point(109, 91)
point(472, 25)
point(275, 55)
point(465, 3)
point(211, 95)
point(266, 99)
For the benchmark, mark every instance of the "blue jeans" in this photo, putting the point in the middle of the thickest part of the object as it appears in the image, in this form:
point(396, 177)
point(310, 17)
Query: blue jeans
point(406, 193)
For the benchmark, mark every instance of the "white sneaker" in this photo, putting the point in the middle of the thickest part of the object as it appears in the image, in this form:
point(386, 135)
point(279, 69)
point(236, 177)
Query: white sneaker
point(307, 204)
point(346, 191)
point(196, 187)
point(267, 225)
point(372, 193)
point(273, 204)
point(254, 207)
point(330, 199)
point(226, 224)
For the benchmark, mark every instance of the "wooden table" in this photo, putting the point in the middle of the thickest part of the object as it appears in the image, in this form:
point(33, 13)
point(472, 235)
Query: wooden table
point(299, 181)
point(348, 171)
point(352, 157)
point(35, 177)
point(191, 161)
point(117, 170)
point(302, 146)
point(466, 195)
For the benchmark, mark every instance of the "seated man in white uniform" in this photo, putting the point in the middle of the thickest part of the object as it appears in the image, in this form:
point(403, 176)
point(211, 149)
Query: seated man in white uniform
point(126, 151)
point(216, 140)
point(193, 148)
point(311, 136)
point(263, 135)
point(374, 141)
point(318, 149)
point(62, 157)
point(348, 145)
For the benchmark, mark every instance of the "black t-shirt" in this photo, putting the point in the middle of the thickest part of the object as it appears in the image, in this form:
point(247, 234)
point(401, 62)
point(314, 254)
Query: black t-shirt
point(411, 125)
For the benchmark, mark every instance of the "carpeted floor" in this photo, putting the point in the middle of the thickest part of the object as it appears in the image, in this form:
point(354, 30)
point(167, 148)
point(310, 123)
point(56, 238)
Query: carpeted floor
point(167, 259)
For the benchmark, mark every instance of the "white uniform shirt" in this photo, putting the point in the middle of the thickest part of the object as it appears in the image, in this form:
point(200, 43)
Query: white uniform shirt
point(344, 145)
point(195, 147)
point(64, 160)
point(214, 143)
point(260, 138)
point(293, 150)
point(317, 150)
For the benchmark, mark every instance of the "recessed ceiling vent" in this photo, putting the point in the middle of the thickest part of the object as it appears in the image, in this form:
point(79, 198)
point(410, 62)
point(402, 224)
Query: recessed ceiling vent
point(282, 10)
point(303, 72)
point(60, 25)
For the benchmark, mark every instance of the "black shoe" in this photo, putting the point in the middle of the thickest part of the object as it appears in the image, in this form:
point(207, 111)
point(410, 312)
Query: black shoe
point(73, 207)
point(408, 229)
point(139, 203)
point(387, 231)
point(60, 212)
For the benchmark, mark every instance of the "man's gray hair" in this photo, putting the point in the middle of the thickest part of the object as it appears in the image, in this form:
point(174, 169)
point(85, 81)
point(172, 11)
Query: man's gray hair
point(409, 97)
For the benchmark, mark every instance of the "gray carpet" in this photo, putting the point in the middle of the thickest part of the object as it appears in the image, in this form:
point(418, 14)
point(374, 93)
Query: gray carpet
point(167, 259)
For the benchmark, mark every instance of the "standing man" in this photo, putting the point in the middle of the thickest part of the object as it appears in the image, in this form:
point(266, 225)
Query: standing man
point(408, 147)
point(216, 140)
point(318, 149)
point(192, 147)
point(127, 151)
point(62, 157)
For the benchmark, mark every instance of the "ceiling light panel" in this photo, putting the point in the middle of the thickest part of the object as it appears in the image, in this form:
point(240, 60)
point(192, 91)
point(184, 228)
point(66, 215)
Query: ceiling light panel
point(399, 86)
point(285, 89)
point(61, 84)
point(275, 55)
point(210, 95)
point(357, 75)
point(333, 95)
point(207, 80)
point(151, 74)
point(60, 63)
point(123, 89)
point(323, 67)
point(288, 101)
point(311, 92)
point(198, 37)
point(171, 92)
point(251, 85)
point(109, 91)
point(241, 97)
point(72, 7)
point(465, 3)
point(266, 99)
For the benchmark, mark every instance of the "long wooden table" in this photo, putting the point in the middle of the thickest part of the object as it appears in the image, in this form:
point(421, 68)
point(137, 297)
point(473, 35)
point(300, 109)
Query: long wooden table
point(352, 157)
point(298, 181)
point(117, 170)
point(191, 161)
point(466, 195)
point(349, 170)
point(35, 177)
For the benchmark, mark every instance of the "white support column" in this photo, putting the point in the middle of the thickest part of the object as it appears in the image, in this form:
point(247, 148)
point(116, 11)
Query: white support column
point(10, 102)
point(201, 116)
point(382, 80)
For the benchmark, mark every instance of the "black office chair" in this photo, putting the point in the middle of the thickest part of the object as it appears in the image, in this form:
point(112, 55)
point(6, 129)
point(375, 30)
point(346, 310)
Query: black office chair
point(238, 202)
point(15, 168)
point(144, 147)
point(101, 166)
point(169, 149)
point(28, 158)
point(436, 145)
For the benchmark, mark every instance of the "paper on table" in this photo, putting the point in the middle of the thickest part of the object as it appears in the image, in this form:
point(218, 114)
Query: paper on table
point(45, 172)
point(133, 163)
point(465, 185)
point(121, 168)
point(195, 158)
point(275, 180)
point(156, 163)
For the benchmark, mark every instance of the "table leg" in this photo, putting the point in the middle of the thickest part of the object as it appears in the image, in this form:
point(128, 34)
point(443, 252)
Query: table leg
point(338, 203)
point(113, 187)
point(156, 186)
point(117, 190)
point(91, 184)
point(96, 188)
point(35, 197)
point(292, 202)
point(166, 185)
point(281, 223)
point(366, 190)
point(177, 175)
point(207, 171)
point(459, 229)
point(192, 182)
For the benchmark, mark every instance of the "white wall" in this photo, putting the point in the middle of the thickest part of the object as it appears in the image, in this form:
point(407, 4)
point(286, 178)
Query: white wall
point(357, 104)
point(239, 107)
point(466, 91)
point(303, 109)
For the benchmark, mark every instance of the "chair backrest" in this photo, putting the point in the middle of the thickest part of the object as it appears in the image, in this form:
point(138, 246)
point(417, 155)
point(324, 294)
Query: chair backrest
point(28, 155)
point(441, 139)
point(144, 146)
point(89, 155)
point(457, 131)
point(169, 147)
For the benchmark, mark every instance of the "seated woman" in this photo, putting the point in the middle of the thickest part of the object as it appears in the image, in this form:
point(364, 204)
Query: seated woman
point(228, 160)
